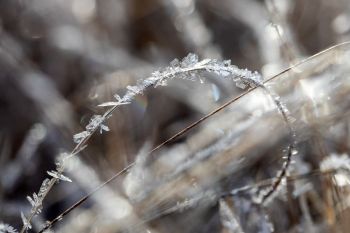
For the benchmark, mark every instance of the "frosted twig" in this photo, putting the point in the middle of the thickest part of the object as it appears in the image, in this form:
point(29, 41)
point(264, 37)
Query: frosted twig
point(189, 68)
point(282, 174)
point(291, 151)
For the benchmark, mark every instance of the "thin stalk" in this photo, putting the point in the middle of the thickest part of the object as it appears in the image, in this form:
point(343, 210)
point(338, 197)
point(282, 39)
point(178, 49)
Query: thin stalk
point(198, 68)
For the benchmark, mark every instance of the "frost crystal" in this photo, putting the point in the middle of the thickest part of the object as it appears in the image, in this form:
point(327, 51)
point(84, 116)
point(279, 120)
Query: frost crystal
point(103, 128)
point(6, 228)
point(175, 63)
point(190, 60)
point(43, 188)
point(25, 221)
point(31, 201)
point(95, 122)
point(109, 104)
point(77, 138)
point(118, 98)
point(120, 101)
point(37, 199)
point(58, 175)
point(241, 84)
point(60, 160)
point(134, 90)
point(36, 203)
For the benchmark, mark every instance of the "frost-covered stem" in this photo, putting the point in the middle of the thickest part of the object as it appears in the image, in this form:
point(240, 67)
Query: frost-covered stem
point(188, 68)
point(46, 187)
point(282, 174)
point(292, 146)
point(36, 208)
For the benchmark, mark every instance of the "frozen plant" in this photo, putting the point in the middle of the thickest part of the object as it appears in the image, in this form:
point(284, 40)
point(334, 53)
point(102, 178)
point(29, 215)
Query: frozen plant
point(188, 68)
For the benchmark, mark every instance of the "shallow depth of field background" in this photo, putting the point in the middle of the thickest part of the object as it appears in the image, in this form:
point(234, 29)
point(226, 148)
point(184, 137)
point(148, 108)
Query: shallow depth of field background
point(59, 59)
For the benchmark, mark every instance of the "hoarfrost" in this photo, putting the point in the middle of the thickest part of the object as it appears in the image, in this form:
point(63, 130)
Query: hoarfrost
point(25, 221)
point(77, 138)
point(95, 121)
point(109, 104)
point(43, 188)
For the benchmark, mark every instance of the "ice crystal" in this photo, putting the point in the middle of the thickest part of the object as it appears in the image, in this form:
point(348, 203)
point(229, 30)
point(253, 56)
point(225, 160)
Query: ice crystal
point(134, 89)
point(6, 228)
point(95, 122)
point(60, 160)
point(120, 101)
point(31, 201)
point(109, 104)
point(103, 128)
point(59, 176)
point(77, 138)
point(25, 222)
point(242, 77)
point(43, 188)
point(220, 68)
point(175, 63)
point(118, 98)
point(36, 203)
point(190, 60)
point(241, 84)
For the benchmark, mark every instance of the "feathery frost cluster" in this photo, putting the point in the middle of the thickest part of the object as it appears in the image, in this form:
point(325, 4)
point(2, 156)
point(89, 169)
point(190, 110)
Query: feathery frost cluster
point(36, 200)
point(189, 68)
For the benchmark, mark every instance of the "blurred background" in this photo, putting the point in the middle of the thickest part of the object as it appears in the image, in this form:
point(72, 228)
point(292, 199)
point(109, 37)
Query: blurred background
point(59, 59)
